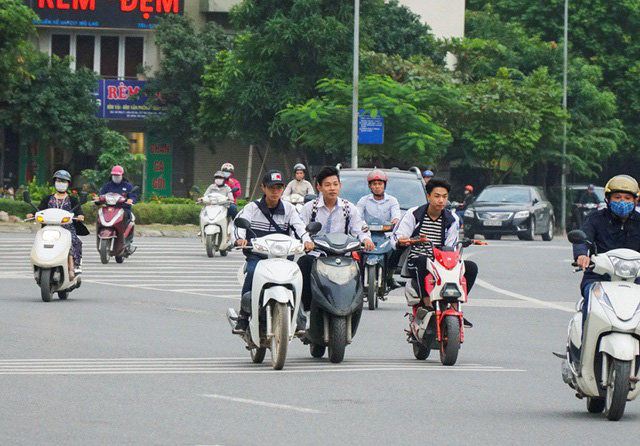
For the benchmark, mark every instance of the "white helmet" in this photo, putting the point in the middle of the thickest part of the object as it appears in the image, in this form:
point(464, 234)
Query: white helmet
point(227, 167)
point(298, 167)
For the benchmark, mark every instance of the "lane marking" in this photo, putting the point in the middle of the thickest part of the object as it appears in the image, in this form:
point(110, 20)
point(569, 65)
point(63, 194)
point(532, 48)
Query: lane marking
point(495, 289)
point(261, 403)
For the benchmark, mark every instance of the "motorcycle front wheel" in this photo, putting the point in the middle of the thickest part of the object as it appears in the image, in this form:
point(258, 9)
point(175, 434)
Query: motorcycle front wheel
point(337, 338)
point(45, 285)
point(372, 288)
point(103, 249)
point(280, 338)
point(211, 250)
point(450, 344)
point(617, 388)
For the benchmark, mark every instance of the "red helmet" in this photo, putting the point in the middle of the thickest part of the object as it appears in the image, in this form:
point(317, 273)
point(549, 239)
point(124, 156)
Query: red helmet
point(469, 188)
point(117, 170)
point(377, 174)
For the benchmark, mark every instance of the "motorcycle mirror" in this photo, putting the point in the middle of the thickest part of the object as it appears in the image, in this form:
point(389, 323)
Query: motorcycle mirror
point(314, 227)
point(26, 196)
point(234, 190)
point(83, 197)
point(135, 189)
point(196, 190)
point(577, 236)
point(310, 197)
point(242, 223)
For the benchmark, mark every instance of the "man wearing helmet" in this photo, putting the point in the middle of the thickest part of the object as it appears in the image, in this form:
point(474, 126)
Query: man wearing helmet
point(299, 185)
point(427, 175)
point(227, 169)
point(220, 187)
point(616, 226)
point(589, 196)
point(118, 184)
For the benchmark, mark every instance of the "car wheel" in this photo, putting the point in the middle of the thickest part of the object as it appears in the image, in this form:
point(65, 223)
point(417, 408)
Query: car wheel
point(531, 233)
point(548, 236)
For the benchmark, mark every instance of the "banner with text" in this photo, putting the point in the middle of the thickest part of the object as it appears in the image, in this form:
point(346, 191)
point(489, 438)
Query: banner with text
point(159, 167)
point(118, 100)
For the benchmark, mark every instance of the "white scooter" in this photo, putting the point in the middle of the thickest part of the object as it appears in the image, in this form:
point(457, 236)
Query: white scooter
point(214, 224)
point(296, 200)
point(275, 296)
point(50, 252)
point(604, 368)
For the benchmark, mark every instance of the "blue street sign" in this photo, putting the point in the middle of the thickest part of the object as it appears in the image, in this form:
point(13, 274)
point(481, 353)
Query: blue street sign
point(370, 130)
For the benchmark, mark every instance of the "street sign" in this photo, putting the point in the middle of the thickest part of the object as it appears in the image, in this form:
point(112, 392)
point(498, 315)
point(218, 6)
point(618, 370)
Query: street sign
point(159, 168)
point(115, 100)
point(370, 129)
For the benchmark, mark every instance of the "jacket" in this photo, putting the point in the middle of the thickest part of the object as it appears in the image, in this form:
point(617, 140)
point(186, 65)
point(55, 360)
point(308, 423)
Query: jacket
point(232, 182)
point(124, 188)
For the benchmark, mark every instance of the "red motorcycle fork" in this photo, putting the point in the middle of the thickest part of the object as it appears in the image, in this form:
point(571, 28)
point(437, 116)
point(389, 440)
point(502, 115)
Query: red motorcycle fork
point(440, 315)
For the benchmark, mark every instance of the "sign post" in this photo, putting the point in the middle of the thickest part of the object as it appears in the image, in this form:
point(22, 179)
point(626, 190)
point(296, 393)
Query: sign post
point(370, 129)
point(159, 167)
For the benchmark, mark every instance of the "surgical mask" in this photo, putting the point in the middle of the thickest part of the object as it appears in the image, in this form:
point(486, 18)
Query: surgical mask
point(61, 186)
point(622, 208)
point(219, 181)
point(116, 179)
point(227, 174)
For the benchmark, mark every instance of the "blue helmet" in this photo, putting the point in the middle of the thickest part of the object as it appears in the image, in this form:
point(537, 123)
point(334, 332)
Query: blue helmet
point(427, 173)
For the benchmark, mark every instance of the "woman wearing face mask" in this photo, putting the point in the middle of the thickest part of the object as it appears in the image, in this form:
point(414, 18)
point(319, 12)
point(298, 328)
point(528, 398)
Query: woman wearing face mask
point(62, 200)
point(119, 185)
point(220, 187)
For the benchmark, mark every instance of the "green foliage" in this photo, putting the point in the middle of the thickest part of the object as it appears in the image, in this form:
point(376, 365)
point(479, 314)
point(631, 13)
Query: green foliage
point(39, 190)
point(177, 84)
point(410, 134)
point(15, 207)
point(149, 213)
point(113, 149)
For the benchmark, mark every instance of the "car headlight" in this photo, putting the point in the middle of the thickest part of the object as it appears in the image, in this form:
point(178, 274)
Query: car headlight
point(469, 213)
point(626, 269)
point(521, 214)
point(340, 275)
point(50, 236)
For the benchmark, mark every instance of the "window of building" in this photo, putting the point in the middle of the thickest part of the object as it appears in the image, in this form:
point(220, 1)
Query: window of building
point(85, 51)
point(61, 45)
point(109, 49)
point(133, 56)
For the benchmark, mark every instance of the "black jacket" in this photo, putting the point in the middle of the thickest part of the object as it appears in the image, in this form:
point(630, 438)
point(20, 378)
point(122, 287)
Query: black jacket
point(81, 229)
point(606, 232)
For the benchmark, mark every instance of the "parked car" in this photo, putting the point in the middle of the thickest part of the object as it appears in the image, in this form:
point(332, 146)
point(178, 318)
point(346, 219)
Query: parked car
point(510, 210)
point(406, 185)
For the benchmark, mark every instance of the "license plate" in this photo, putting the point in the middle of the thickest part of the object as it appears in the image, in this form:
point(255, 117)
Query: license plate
point(492, 223)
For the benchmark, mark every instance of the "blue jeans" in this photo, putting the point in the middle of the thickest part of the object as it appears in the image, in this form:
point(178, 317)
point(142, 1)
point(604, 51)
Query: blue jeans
point(252, 262)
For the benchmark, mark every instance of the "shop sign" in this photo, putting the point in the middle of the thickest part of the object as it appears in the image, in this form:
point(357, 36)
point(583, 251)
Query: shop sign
point(122, 100)
point(159, 167)
point(114, 14)
point(33, 163)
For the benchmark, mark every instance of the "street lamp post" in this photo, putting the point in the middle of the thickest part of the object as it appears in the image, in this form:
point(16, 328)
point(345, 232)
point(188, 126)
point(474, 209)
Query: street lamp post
point(356, 69)
point(563, 180)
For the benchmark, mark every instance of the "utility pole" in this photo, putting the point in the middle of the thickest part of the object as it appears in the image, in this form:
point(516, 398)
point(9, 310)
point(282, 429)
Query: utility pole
point(563, 180)
point(356, 75)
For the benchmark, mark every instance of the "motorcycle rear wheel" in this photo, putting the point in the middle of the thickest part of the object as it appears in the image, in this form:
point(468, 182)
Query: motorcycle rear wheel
point(119, 259)
point(420, 351)
point(317, 351)
point(595, 405)
point(372, 289)
point(258, 354)
point(63, 295)
point(618, 389)
point(103, 249)
point(280, 339)
point(450, 345)
point(45, 285)
point(337, 338)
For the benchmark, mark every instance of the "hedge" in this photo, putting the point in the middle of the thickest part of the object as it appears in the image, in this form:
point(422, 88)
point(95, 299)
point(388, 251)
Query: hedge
point(15, 207)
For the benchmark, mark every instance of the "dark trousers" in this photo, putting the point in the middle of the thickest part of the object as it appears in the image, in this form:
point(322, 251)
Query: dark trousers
point(306, 263)
point(418, 268)
point(394, 260)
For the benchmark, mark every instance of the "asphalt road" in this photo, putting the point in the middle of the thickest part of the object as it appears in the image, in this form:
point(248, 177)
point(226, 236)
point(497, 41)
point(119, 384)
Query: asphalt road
point(142, 354)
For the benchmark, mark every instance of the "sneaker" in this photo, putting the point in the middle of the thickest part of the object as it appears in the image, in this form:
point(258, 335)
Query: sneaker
point(77, 270)
point(392, 284)
point(241, 326)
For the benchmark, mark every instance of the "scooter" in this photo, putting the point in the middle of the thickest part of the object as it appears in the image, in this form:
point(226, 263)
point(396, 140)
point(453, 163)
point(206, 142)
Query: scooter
point(214, 224)
point(275, 296)
point(443, 328)
point(50, 252)
point(582, 211)
point(375, 269)
point(603, 364)
point(112, 237)
point(296, 200)
point(337, 296)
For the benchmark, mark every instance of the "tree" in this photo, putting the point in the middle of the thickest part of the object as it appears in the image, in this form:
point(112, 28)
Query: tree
point(176, 86)
point(324, 123)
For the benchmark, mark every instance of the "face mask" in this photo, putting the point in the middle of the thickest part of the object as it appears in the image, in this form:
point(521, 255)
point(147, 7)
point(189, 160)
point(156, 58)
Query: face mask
point(219, 181)
point(61, 186)
point(116, 179)
point(227, 174)
point(622, 208)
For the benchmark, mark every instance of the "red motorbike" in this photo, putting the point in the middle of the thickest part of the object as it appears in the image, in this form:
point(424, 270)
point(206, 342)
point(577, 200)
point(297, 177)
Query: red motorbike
point(114, 238)
point(442, 327)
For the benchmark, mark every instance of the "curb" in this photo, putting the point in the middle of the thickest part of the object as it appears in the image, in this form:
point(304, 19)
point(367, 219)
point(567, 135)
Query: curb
point(186, 231)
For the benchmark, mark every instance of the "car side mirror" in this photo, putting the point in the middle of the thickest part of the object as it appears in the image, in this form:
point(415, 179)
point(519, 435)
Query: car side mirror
point(26, 196)
point(577, 236)
point(314, 227)
point(242, 223)
point(535, 201)
point(309, 197)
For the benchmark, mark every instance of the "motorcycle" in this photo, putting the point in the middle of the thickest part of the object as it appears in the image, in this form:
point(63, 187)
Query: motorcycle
point(443, 328)
point(274, 300)
point(214, 224)
point(50, 252)
point(296, 200)
point(375, 264)
point(602, 366)
point(112, 237)
point(582, 211)
point(337, 296)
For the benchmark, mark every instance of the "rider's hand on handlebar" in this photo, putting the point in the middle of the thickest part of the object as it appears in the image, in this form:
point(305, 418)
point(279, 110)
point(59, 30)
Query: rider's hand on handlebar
point(369, 245)
point(199, 200)
point(29, 216)
point(80, 218)
point(129, 201)
point(241, 242)
point(583, 262)
point(308, 246)
point(403, 241)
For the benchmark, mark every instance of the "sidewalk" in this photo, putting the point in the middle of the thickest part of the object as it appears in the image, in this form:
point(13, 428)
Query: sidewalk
point(182, 231)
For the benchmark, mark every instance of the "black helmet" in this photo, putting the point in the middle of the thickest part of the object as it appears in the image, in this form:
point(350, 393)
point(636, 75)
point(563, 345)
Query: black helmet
point(62, 175)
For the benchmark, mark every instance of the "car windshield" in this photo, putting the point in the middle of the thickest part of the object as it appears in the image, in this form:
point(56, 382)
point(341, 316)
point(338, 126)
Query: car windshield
point(505, 195)
point(407, 189)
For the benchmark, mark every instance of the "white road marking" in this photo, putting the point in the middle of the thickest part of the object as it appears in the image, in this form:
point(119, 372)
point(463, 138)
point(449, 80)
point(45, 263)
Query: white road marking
point(539, 302)
point(262, 403)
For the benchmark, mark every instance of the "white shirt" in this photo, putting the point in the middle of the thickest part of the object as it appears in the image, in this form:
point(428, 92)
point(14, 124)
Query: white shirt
point(284, 215)
point(224, 190)
point(301, 188)
point(385, 210)
point(333, 221)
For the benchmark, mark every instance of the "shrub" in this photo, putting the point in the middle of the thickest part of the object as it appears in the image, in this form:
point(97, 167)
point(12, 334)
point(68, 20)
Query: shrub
point(149, 213)
point(15, 207)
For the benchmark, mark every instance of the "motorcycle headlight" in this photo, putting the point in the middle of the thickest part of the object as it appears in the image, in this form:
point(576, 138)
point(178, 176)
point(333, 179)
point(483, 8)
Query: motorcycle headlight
point(521, 214)
point(626, 269)
point(259, 246)
point(50, 236)
point(279, 249)
point(469, 213)
point(340, 275)
point(598, 293)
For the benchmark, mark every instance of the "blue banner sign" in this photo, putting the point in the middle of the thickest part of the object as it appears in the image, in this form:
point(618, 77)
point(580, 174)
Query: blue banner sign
point(120, 99)
point(370, 129)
